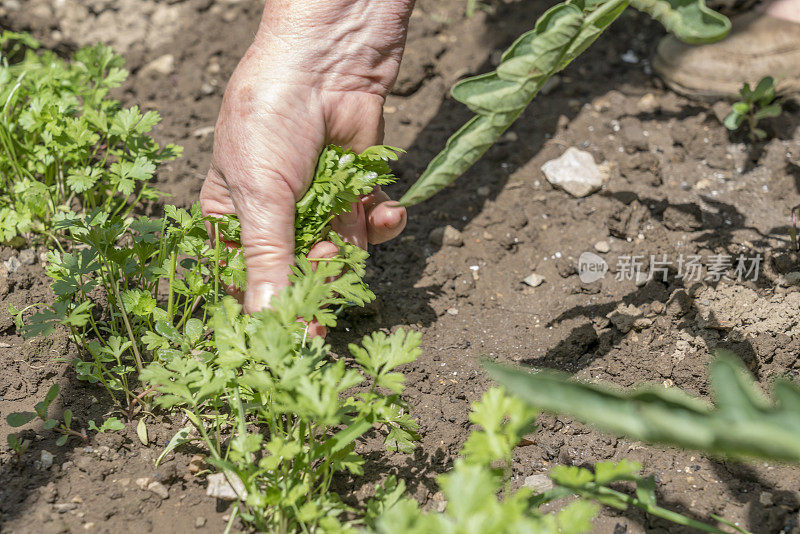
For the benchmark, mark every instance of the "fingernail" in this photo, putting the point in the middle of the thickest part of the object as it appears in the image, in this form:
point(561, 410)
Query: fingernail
point(258, 298)
point(395, 214)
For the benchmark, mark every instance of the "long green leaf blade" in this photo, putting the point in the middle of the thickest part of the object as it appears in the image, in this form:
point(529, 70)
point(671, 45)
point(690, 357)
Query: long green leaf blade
point(741, 423)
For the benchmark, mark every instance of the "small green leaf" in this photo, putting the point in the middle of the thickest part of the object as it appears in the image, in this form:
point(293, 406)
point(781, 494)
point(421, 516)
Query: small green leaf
point(771, 111)
point(112, 424)
point(608, 472)
point(765, 88)
point(62, 440)
point(17, 419)
point(741, 107)
point(646, 491)
point(180, 437)
point(67, 418)
point(141, 431)
point(52, 393)
point(194, 330)
point(50, 424)
point(733, 121)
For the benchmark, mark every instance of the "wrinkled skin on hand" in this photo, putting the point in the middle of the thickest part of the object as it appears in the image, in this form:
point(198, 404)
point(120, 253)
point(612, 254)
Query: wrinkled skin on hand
point(317, 74)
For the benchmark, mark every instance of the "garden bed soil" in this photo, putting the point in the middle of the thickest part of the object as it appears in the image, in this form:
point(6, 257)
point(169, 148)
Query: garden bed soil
point(679, 184)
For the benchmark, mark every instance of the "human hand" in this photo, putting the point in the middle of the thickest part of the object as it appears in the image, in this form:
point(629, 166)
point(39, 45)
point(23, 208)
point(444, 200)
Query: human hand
point(316, 74)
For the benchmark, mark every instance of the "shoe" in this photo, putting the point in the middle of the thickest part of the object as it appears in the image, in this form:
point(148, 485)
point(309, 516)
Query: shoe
point(759, 45)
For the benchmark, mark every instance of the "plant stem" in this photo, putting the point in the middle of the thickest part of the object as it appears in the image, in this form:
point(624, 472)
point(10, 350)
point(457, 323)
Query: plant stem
point(172, 268)
point(134, 343)
point(663, 513)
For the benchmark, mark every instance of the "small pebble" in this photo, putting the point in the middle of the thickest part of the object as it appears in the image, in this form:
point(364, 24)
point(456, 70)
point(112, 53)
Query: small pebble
point(12, 264)
point(65, 507)
point(452, 311)
point(200, 522)
point(630, 57)
point(220, 487)
point(163, 65)
point(159, 489)
point(46, 459)
point(203, 131)
point(446, 236)
point(27, 256)
point(538, 483)
point(483, 191)
point(576, 172)
point(648, 104)
point(602, 247)
point(533, 280)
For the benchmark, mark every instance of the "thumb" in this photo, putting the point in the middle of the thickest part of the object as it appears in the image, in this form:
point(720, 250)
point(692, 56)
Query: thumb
point(266, 214)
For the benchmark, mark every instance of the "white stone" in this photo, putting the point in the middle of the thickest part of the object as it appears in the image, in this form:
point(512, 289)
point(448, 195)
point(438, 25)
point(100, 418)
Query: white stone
point(159, 489)
point(220, 487)
point(575, 172)
point(27, 256)
point(203, 131)
point(533, 280)
point(46, 459)
point(539, 483)
point(162, 65)
point(602, 247)
point(447, 236)
point(648, 104)
point(12, 264)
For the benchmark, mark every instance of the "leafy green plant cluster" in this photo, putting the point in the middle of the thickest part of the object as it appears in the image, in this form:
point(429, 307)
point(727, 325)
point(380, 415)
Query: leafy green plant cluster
point(64, 144)
point(756, 104)
point(479, 494)
point(143, 299)
point(278, 413)
point(477, 489)
point(131, 290)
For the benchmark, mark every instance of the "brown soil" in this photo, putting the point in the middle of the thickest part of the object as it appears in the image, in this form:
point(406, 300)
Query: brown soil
point(679, 184)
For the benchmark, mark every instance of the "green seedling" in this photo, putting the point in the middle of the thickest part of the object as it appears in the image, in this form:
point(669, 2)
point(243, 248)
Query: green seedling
point(595, 486)
point(112, 424)
point(756, 104)
point(18, 445)
point(63, 426)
